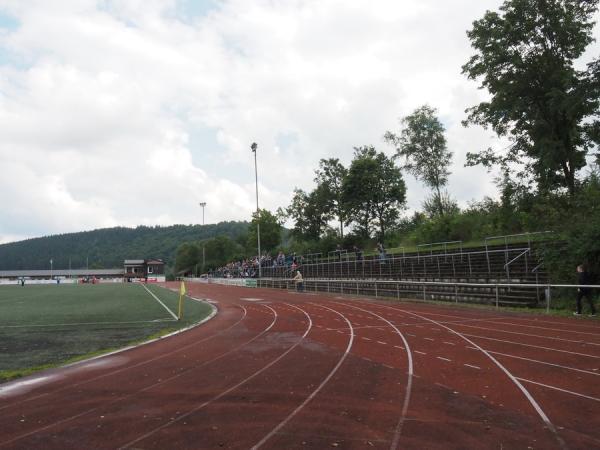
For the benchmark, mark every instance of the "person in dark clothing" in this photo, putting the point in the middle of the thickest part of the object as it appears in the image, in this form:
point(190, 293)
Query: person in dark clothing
point(338, 251)
point(358, 253)
point(583, 278)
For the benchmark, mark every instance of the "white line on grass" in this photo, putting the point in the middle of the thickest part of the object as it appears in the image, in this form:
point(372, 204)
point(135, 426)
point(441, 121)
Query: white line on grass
point(84, 323)
point(158, 300)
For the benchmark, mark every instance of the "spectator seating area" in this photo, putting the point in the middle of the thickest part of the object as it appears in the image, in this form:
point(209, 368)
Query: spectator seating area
point(470, 275)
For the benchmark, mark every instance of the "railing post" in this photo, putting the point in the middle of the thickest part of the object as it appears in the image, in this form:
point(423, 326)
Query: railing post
point(375, 289)
point(487, 256)
point(548, 298)
point(397, 290)
point(455, 293)
point(357, 288)
point(453, 268)
point(424, 294)
point(497, 295)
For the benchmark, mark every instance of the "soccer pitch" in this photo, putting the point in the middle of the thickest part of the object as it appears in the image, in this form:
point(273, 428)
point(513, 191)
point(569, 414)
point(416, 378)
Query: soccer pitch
point(43, 326)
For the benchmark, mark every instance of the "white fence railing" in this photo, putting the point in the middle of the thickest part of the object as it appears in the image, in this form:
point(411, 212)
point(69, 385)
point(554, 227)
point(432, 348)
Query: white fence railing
point(498, 294)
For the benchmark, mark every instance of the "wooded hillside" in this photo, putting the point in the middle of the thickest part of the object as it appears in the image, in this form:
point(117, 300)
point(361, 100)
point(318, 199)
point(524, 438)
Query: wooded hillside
point(108, 247)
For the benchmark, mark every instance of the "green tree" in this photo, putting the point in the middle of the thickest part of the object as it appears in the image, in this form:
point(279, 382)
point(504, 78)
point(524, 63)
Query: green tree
point(187, 257)
point(524, 58)
point(309, 213)
point(270, 232)
point(435, 204)
point(373, 191)
point(423, 146)
point(220, 250)
point(330, 179)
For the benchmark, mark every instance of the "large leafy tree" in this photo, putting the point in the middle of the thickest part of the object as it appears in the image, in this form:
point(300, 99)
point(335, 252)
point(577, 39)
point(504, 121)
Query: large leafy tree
point(309, 213)
point(422, 145)
point(270, 231)
point(373, 191)
point(330, 178)
point(524, 58)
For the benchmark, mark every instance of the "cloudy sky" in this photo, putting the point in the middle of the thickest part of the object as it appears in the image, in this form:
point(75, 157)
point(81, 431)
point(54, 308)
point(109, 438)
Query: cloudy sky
point(128, 112)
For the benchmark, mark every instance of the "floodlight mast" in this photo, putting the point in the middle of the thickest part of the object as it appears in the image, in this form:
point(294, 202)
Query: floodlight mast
point(203, 205)
point(254, 146)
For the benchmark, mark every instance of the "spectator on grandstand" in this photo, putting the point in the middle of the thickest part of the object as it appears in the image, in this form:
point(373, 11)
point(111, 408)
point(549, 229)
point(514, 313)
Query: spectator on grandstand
point(358, 253)
point(583, 278)
point(281, 259)
point(299, 282)
point(381, 250)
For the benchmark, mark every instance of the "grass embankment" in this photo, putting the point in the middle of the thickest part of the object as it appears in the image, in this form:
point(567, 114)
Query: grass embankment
point(44, 326)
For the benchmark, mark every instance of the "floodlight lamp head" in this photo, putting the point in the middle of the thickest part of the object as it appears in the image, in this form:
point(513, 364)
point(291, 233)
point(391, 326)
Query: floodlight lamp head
point(203, 204)
point(254, 146)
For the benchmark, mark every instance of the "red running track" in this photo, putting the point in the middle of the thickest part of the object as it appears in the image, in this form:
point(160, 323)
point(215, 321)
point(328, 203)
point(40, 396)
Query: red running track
point(281, 370)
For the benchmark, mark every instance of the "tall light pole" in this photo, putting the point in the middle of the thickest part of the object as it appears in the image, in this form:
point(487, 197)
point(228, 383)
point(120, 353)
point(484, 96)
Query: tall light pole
point(203, 205)
point(254, 147)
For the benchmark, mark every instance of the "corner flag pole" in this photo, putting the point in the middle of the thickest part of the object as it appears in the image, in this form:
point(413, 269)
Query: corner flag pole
point(182, 292)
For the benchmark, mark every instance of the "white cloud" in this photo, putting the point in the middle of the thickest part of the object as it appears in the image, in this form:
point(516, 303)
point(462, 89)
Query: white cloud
point(100, 117)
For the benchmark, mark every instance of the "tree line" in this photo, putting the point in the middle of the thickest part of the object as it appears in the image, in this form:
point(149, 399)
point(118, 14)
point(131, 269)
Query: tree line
point(544, 101)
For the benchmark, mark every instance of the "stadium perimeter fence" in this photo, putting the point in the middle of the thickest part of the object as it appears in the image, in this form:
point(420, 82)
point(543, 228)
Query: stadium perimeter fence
point(494, 294)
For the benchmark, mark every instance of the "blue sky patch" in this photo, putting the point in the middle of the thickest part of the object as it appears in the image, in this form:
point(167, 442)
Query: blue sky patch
point(189, 10)
point(8, 22)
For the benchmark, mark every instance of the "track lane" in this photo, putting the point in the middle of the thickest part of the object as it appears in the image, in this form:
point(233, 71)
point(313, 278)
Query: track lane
point(157, 442)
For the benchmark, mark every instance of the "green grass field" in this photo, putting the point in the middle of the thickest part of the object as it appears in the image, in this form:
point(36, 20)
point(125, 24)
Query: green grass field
point(44, 326)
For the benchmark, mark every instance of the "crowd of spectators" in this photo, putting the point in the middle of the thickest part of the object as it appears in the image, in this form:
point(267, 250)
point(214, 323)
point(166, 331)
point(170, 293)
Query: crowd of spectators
point(248, 268)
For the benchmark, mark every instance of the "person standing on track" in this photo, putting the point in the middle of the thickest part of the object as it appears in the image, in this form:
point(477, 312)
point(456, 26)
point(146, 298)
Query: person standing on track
point(299, 282)
point(583, 278)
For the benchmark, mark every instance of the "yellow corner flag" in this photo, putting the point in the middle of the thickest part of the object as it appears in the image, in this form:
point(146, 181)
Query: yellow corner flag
point(182, 292)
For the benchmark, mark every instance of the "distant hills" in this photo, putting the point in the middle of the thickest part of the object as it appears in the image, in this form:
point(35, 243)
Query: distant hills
point(108, 247)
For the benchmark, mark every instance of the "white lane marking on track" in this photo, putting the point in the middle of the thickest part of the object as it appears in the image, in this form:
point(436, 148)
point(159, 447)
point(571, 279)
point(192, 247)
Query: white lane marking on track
point(443, 359)
point(550, 329)
point(573, 325)
point(522, 388)
point(381, 342)
point(559, 389)
point(533, 346)
point(545, 363)
point(420, 353)
point(251, 299)
point(429, 339)
point(399, 346)
point(222, 394)
point(472, 366)
point(531, 335)
point(316, 391)
point(449, 343)
point(400, 424)
point(366, 338)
